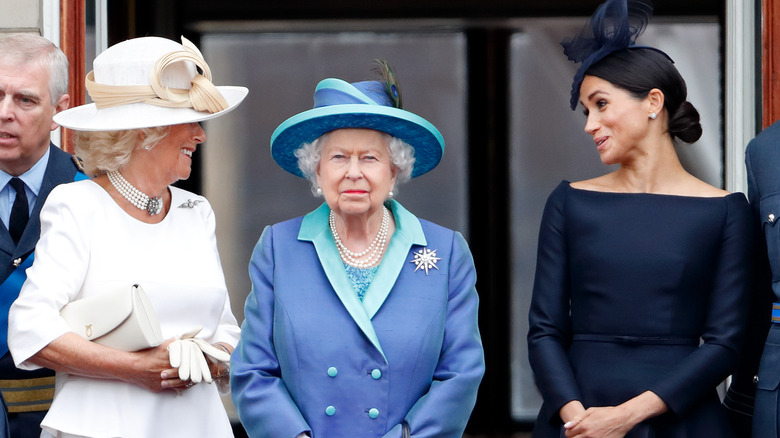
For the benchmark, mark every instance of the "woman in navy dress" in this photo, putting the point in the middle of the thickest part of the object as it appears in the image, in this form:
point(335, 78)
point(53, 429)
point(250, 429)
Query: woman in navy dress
point(638, 305)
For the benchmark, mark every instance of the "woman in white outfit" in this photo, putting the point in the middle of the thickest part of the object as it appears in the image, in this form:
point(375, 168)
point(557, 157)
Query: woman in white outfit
point(127, 225)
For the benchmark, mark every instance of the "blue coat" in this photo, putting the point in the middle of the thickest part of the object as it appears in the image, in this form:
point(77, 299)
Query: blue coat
point(313, 357)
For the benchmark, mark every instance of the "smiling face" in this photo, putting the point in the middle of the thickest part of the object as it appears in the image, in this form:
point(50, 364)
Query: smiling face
point(617, 121)
point(355, 172)
point(26, 114)
point(173, 154)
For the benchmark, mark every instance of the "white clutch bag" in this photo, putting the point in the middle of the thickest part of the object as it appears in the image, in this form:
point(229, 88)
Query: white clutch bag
point(122, 318)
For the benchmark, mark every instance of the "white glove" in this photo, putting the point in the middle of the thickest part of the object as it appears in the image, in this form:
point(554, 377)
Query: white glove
point(185, 355)
point(188, 354)
point(213, 353)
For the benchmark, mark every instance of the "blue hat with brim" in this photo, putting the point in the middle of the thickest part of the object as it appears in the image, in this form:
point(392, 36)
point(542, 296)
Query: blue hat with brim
point(338, 105)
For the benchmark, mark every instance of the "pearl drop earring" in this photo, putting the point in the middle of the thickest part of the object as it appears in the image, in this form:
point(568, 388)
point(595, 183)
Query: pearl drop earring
point(319, 191)
point(390, 194)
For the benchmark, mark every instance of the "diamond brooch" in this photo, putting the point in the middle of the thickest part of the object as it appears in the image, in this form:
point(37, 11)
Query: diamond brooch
point(425, 259)
point(191, 203)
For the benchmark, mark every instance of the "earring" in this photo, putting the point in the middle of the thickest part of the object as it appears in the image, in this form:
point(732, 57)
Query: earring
point(390, 194)
point(653, 115)
point(319, 191)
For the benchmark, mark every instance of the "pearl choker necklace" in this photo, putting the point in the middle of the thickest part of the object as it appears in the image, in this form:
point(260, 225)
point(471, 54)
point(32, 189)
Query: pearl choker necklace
point(377, 247)
point(136, 197)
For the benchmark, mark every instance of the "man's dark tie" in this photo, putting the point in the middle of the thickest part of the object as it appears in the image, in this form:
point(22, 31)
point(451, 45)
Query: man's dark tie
point(19, 211)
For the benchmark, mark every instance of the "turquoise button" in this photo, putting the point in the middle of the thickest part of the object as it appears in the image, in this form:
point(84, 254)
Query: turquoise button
point(332, 371)
point(330, 410)
point(373, 412)
point(376, 374)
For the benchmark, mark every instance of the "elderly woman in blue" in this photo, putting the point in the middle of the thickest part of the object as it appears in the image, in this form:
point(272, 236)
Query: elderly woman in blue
point(362, 319)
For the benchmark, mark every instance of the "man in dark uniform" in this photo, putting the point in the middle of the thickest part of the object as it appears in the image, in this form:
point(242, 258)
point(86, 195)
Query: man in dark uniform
point(33, 88)
point(752, 398)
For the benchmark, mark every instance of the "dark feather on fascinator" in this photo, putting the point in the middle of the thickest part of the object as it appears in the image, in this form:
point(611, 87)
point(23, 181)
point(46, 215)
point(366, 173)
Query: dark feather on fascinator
point(392, 86)
point(614, 26)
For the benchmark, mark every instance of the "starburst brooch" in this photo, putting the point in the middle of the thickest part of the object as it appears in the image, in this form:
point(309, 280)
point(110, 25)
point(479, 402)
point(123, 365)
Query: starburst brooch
point(425, 259)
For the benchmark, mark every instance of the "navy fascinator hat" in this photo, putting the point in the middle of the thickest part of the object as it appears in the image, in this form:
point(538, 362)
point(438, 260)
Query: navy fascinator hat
point(614, 26)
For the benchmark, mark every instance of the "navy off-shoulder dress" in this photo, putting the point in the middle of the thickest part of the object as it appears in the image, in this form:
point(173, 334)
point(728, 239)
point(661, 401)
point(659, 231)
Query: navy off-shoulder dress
point(636, 292)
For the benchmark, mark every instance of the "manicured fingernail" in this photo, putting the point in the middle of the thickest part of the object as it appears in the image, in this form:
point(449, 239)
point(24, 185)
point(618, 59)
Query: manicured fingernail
point(164, 375)
point(164, 384)
point(567, 425)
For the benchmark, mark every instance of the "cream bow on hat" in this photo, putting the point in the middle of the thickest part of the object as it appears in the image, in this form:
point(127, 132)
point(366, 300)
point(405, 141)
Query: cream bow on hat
point(147, 82)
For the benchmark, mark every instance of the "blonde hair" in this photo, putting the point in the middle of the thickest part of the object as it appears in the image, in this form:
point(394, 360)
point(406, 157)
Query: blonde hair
point(106, 151)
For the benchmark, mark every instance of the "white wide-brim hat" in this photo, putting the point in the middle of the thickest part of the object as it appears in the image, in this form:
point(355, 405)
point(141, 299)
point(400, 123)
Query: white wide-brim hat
point(148, 82)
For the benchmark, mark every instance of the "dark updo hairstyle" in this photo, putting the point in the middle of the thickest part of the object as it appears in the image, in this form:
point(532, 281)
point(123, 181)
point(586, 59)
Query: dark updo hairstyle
point(639, 70)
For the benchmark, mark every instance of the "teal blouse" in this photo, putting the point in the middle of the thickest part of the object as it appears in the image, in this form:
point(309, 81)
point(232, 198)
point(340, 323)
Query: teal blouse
point(360, 278)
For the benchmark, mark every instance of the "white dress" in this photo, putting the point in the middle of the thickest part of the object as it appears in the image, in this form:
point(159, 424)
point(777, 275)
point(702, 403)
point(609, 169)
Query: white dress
point(89, 244)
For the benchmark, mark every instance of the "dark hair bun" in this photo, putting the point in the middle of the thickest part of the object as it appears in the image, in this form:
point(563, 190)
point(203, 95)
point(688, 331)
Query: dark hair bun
point(684, 123)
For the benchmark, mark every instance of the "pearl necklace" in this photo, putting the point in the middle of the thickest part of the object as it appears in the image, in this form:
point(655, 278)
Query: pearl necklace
point(377, 247)
point(136, 197)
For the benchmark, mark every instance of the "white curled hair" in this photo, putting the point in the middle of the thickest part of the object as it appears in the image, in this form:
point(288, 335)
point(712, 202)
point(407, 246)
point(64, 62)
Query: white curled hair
point(401, 155)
